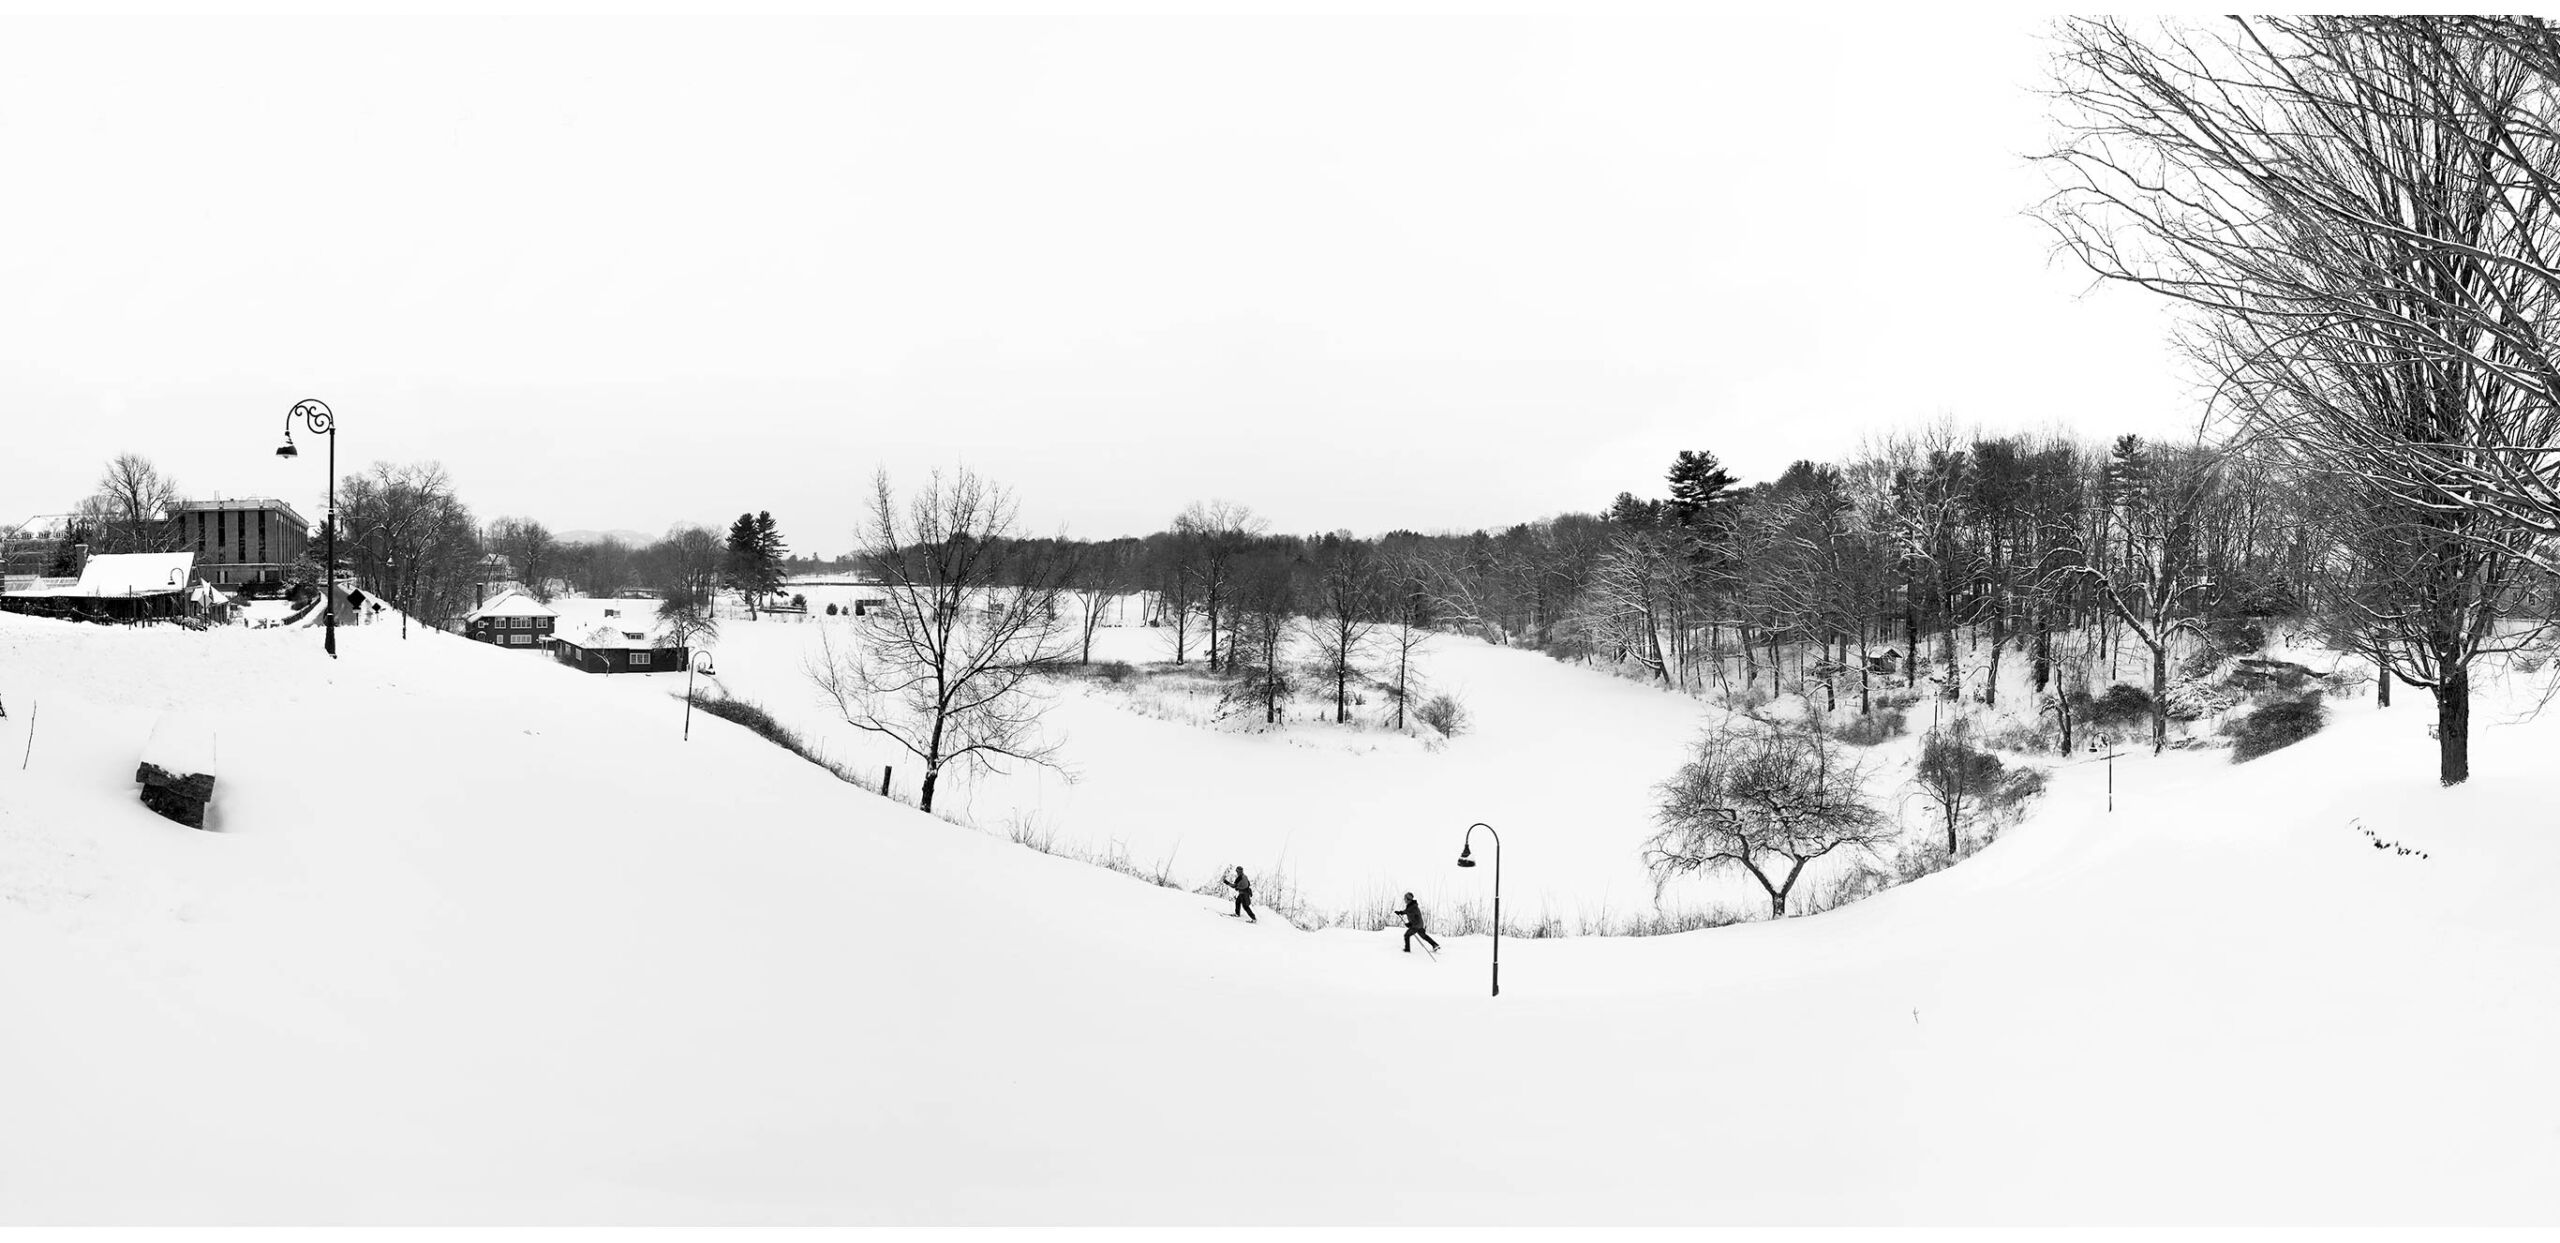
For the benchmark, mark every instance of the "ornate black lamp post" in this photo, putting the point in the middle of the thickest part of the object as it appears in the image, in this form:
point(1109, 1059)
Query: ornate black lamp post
point(315, 415)
point(1466, 859)
point(694, 658)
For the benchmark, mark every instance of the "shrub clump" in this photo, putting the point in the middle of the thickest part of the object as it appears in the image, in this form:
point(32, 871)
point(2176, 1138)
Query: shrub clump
point(1114, 671)
point(2275, 726)
point(2122, 704)
point(1443, 713)
point(1871, 728)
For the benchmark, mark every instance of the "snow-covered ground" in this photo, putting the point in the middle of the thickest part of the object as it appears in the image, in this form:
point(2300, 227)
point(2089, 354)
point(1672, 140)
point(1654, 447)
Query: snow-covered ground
point(1560, 761)
point(477, 938)
point(1563, 760)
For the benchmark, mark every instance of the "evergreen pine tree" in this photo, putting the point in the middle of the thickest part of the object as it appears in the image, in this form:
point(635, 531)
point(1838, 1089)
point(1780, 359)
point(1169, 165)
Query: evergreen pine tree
point(753, 568)
point(1700, 488)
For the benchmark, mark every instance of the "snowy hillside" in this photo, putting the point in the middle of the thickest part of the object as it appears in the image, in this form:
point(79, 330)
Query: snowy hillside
point(477, 938)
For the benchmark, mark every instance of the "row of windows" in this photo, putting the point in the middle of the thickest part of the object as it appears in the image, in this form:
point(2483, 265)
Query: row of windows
point(230, 535)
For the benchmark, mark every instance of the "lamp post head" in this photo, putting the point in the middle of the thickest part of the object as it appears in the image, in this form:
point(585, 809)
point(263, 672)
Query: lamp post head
point(288, 450)
point(1466, 856)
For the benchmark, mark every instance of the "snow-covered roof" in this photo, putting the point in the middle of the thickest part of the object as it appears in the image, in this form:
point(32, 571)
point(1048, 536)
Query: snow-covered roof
point(511, 604)
point(632, 633)
point(130, 574)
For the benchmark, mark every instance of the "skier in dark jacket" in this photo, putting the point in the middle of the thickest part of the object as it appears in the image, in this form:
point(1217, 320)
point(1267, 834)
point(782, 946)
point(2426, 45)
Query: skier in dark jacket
point(1412, 912)
point(1244, 894)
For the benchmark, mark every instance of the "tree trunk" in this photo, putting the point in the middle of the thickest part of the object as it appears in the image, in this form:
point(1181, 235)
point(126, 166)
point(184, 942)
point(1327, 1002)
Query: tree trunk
point(2453, 726)
point(2381, 685)
point(2044, 648)
point(1831, 680)
point(2160, 695)
point(1404, 656)
point(1866, 674)
point(1910, 635)
point(931, 775)
point(1999, 636)
point(1954, 687)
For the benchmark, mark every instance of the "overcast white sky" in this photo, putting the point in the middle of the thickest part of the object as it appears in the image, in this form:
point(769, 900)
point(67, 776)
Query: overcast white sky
point(1430, 273)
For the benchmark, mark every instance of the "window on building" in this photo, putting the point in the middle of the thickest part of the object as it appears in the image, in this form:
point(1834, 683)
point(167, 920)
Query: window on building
point(639, 658)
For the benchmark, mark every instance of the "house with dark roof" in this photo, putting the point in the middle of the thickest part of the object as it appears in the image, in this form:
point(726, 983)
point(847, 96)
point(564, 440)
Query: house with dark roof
point(512, 620)
point(635, 644)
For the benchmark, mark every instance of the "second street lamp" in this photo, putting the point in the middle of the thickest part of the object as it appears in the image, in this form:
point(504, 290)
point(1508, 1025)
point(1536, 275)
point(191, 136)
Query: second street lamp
point(1466, 859)
point(694, 658)
point(315, 415)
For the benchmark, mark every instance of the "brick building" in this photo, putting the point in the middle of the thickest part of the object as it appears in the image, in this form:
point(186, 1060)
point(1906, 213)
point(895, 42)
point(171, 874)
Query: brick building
point(236, 542)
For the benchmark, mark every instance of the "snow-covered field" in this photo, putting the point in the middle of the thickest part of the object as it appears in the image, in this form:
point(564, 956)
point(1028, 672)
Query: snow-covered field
point(1560, 761)
point(476, 938)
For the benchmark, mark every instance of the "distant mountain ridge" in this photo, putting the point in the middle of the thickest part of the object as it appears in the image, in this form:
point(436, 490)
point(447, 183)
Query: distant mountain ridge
point(633, 538)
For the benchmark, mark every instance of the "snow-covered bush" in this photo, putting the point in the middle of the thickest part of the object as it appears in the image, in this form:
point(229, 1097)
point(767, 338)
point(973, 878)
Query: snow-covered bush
point(2198, 698)
point(1871, 728)
point(2121, 704)
point(2275, 726)
point(1964, 784)
point(1443, 713)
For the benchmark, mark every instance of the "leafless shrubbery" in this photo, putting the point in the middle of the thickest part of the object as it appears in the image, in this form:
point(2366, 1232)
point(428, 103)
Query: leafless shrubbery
point(1443, 713)
point(1870, 728)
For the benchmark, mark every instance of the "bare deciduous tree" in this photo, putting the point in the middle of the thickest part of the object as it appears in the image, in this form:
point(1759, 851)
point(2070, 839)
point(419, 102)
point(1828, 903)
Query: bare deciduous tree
point(945, 670)
point(1767, 798)
point(1345, 616)
point(1263, 597)
point(2360, 208)
point(530, 547)
point(1219, 534)
point(129, 511)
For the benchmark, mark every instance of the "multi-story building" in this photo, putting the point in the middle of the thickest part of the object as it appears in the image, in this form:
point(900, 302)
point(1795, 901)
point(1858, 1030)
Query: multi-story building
point(512, 620)
point(236, 542)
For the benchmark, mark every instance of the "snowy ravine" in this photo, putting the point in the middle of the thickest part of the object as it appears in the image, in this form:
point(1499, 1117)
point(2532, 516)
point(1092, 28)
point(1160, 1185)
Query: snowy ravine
point(478, 938)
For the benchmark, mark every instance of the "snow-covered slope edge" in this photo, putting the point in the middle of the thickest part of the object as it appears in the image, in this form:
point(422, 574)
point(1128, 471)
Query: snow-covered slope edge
point(481, 940)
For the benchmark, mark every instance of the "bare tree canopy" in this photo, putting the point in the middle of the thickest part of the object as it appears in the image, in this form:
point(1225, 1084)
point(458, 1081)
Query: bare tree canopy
point(1767, 798)
point(129, 511)
point(2360, 209)
point(946, 670)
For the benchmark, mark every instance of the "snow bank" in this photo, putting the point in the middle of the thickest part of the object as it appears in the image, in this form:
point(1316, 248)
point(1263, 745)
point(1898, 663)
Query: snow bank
point(480, 939)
